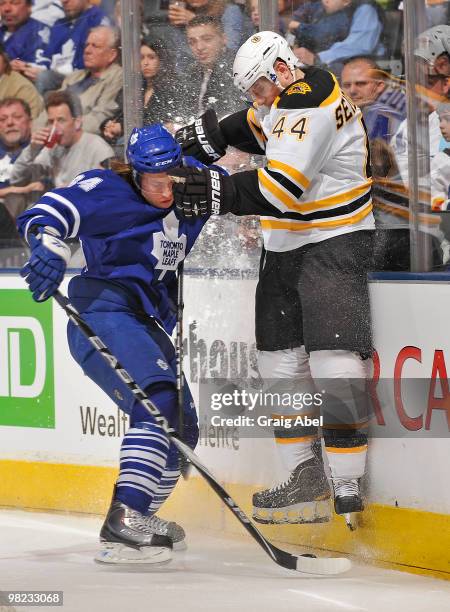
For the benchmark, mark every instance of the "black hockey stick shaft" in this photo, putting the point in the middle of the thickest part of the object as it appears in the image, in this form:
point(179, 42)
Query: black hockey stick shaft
point(184, 463)
point(281, 557)
point(179, 348)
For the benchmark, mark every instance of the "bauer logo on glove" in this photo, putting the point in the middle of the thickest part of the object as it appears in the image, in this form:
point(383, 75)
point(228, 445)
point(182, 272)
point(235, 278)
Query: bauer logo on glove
point(203, 139)
point(201, 193)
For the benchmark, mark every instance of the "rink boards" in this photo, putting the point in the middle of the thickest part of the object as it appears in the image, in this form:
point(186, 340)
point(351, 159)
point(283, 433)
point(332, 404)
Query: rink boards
point(60, 435)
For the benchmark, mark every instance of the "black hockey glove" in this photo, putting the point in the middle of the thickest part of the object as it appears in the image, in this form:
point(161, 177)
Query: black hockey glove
point(199, 193)
point(203, 139)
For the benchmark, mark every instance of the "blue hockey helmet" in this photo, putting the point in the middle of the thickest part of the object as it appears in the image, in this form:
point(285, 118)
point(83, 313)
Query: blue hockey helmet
point(153, 149)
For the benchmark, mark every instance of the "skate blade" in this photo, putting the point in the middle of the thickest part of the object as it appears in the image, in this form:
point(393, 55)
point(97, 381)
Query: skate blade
point(350, 520)
point(179, 546)
point(116, 553)
point(297, 514)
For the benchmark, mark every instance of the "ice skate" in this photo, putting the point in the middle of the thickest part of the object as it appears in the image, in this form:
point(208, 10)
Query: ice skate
point(127, 537)
point(303, 498)
point(347, 499)
point(167, 528)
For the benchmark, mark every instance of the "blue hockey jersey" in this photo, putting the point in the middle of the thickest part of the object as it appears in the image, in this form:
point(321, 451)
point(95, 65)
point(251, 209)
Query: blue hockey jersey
point(125, 240)
point(64, 52)
point(26, 41)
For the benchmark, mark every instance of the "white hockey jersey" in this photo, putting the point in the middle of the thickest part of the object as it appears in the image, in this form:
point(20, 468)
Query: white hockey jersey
point(318, 163)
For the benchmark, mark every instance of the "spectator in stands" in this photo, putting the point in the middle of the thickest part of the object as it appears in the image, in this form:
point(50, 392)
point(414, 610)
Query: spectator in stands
point(15, 133)
point(47, 11)
point(433, 69)
point(228, 13)
point(161, 99)
point(362, 80)
point(253, 12)
point(21, 35)
point(440, 164)
point(64, 52)
point(317, 25)
point(99, 83)
point(392, 197)
point(61, 150)
point(209, 80)
point(363, 38)
point(14, 85)
point(234, 22)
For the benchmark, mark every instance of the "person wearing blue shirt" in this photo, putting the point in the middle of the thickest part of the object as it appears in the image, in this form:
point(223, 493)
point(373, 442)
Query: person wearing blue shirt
point(20, 34)
point(133, 240)
point(317, 25)
point(64, 52)
point(363, 39)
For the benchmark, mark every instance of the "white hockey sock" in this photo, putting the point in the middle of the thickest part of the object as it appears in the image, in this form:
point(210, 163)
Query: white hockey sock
point(343, 375)
point(286, 373)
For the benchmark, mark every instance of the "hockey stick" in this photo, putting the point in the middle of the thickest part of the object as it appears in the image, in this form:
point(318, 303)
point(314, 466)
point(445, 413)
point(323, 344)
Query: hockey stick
point(304, 563)
point(183, 461)
point(179, 347)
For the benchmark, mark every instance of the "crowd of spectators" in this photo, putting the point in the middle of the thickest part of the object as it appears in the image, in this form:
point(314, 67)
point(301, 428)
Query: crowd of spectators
point(61, 84)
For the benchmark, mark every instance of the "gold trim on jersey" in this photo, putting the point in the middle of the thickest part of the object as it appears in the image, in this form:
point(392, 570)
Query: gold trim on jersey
point(277, 191)
point(256, 129)
point(270, 223)
point(341, 198)
point(293, 173)
point(334, 95)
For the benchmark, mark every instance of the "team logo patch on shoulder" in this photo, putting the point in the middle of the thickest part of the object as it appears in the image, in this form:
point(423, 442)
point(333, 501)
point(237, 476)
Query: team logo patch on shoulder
point(256, 39)
point(299, 88)
point(162, 364)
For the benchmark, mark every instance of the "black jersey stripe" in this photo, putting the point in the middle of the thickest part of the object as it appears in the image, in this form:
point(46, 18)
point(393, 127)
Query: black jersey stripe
point(346, 209)
point(282, 180)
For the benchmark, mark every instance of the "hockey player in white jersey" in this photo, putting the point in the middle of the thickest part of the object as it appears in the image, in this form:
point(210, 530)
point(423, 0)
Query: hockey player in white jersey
point(313, 197)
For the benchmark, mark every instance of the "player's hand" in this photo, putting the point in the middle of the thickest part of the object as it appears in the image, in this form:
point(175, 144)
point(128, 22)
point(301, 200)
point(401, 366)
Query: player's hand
point(45, 269)
point(203, 139)
point(201, 193)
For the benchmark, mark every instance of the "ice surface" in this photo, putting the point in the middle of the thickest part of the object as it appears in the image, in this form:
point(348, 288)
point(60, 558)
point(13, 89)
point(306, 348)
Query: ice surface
point(54, 552)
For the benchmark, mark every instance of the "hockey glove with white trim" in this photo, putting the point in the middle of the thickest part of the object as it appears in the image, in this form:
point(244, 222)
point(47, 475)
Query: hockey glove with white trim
point(45, 269)
point(200, 193)
point(203, 139)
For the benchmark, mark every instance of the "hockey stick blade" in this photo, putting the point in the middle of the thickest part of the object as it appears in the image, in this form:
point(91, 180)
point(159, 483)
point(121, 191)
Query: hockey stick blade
point(305, 564)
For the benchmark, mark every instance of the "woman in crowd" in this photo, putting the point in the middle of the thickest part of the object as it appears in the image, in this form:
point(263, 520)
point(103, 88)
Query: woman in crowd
point(161, 100)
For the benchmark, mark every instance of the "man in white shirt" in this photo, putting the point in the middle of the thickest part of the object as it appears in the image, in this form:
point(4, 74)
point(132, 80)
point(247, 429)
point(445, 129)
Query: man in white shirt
point(61, 150)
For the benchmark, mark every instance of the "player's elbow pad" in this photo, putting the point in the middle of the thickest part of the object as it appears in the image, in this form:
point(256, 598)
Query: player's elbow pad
point(203, 139)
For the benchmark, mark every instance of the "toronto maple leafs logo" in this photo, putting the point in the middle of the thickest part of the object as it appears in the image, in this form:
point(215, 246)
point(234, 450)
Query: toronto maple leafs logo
point(169, 249)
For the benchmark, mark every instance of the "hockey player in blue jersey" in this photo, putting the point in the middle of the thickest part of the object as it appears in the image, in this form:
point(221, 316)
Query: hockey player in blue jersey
point(133, 240)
